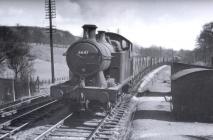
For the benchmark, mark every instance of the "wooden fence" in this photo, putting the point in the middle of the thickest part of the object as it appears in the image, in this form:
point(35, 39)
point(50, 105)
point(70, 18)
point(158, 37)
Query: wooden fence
point(11, 90)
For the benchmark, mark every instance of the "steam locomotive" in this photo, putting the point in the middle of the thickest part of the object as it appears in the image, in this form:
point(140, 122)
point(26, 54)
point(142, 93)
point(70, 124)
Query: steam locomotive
point(104, 67)
point(101, 67)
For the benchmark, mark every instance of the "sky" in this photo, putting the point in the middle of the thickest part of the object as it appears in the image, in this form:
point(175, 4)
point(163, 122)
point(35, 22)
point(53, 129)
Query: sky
point(174, 24)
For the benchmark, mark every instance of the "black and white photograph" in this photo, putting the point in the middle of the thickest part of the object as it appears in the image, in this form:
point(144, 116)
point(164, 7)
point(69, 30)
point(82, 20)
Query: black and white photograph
point(106, 69)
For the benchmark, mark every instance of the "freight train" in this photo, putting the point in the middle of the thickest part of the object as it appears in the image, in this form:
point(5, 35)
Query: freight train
point(104, 66)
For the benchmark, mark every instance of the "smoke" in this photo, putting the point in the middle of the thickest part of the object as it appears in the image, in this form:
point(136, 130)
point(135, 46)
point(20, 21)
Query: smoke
point(167, 23)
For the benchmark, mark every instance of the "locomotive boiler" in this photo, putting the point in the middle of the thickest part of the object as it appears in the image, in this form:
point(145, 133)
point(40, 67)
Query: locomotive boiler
point(101, 67)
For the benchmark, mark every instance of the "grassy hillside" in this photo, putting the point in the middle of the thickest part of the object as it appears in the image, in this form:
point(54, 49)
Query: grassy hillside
point(40, 35)
point(38, 40)
point(42, 64)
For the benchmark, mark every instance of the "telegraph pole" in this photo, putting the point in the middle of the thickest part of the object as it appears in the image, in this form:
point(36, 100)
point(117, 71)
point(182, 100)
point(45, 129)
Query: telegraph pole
point(50, 9)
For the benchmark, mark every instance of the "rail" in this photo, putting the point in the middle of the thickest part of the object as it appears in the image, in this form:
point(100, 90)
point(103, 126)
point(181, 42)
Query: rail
point(97, 128)
point(48, 131)
point(14, 106)
point(90, 126)
point(6, 129)
point(113, 121)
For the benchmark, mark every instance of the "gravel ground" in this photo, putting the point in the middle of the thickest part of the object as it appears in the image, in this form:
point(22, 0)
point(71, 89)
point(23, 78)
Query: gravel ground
point(153, 119)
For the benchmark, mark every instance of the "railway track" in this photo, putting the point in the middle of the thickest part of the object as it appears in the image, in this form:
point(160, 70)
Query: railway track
point(18, 106)
point(89, 127)
point(25, 109)
point(115, 125)
point(43, 90)
point(72, 127)
point(11, 126)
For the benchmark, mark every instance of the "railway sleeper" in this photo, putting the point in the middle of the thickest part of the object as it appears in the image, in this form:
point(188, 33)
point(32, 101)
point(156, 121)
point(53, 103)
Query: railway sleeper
point(125, 105)
point(105, 133)
point(70, 138)
point(81, 121)
point(66, 137)
point(120, 113)
point(120, 110)
point(105, 129)
point(8, 113)
point(84, 125)
point(110, 123)
point(112, 114)
point(84, 128)
point(114, 117)
point(9, 128)
point(90, 124)
point(5, 124)
point(70, 134)
point(113, 120)
point(73, 130)
point(102, 137)
point(108, 126)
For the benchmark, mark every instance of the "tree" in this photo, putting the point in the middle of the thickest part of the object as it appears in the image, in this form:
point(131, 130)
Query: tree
point(7, 41)
point(205, 43)
point(17, 53)
point(20, 61)
point(156, 51)
point(186, 56)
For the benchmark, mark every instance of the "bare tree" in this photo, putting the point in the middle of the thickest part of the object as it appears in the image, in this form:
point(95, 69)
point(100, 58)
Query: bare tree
point(20, 60)
point(14, 49)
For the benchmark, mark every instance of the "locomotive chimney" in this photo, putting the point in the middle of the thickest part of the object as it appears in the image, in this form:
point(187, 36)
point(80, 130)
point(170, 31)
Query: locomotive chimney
point(102, 36)
point(89, 31)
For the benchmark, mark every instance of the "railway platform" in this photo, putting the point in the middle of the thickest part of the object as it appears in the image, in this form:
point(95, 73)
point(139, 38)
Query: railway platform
point(153, 119)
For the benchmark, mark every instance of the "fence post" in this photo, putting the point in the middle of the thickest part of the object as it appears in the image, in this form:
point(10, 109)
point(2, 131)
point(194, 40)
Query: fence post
point(28, 84)
point(38, 84)
point(13, 90)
